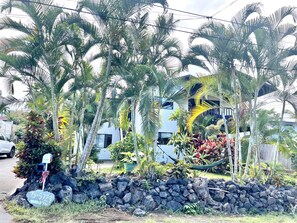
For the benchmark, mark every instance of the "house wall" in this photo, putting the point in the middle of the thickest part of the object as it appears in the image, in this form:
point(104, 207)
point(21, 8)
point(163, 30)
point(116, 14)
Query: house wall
point(166, 126)
point(104, 153)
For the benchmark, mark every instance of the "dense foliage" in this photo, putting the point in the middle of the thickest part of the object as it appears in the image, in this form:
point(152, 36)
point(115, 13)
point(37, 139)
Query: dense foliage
point(118, 149)
point(34, 147)
point(54, 55)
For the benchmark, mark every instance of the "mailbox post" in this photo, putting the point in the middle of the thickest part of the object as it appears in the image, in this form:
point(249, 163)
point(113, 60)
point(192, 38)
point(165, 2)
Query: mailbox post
point(46, 159)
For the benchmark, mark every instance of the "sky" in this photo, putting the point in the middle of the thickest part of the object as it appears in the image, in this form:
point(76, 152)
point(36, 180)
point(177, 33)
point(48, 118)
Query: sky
point(218, 9)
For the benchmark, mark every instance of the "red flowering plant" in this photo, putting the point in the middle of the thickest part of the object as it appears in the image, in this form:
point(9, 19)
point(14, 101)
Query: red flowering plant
point(211, 150)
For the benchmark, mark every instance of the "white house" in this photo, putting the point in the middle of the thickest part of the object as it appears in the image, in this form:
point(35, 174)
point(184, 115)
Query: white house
point(108, 134)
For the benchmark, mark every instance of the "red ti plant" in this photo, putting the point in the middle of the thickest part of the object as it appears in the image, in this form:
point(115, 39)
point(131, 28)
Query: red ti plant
point(211, 150)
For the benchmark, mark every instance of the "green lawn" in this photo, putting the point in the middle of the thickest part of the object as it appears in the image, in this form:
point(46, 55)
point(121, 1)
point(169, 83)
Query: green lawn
point(210, 175)
point(92, 212)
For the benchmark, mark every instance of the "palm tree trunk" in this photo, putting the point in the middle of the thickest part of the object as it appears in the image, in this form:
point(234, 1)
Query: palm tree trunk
point(257, 157)
point(275, 157)
point(226, 130)
point(33, 96)
point(97, 119)
point(155, 140)
point(54, 109)
point(237, 137)
point(71, 131)
point(253, 123)
point(133, 106)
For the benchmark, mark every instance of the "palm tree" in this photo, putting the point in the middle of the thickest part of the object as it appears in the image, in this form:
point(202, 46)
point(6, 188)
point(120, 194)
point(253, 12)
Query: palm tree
point(220, 57)
point(150, 79)
point(111, 19)
point(264, 56)
point(38, 53)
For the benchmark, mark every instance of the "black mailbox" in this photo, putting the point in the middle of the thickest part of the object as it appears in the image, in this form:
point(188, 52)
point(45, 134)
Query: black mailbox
point(40, 167)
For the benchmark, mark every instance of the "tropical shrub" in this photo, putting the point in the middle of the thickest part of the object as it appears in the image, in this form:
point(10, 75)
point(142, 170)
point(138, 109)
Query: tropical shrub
point(212, 150)
point(183, 145)
point(30, 153)
point(151, 169)
point(195, 209)
point(119, 149)
point(179, 169)
point(202, 151)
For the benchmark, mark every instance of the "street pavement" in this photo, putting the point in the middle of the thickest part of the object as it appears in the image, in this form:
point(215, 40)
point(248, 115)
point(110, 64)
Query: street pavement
point(8, 184)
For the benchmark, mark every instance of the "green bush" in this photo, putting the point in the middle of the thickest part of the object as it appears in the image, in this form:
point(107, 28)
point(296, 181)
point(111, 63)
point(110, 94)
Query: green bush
point(30, 152)
point(195, 209)
point(179, 169)
point(151, 170)
point(126, 145)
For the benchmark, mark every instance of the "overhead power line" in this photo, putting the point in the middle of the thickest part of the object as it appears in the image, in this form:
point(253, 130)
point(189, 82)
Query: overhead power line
point(152, 25)
point(224, 8)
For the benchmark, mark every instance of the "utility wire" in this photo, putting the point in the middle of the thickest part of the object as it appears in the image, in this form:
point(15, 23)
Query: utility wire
point(133, 21)
point(224, 8)
point(152, 25)
point(137, 22)
point(208, 17)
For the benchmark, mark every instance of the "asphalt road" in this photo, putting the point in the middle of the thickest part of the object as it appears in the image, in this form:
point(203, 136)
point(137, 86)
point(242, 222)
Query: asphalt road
point(8, 184)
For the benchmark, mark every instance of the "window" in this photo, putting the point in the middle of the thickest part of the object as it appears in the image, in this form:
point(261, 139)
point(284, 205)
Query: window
point(164, 137)
point(2, 137)
point(167, 105)
point(103, 140)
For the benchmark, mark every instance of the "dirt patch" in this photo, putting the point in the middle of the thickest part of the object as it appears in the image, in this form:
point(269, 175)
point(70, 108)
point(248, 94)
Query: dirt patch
point(114, 215)
point(108, 215)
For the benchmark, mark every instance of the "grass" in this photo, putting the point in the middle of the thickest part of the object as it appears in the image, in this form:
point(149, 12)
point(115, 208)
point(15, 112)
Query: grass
point(56, 212)
point(93, 212)
point(196, 173)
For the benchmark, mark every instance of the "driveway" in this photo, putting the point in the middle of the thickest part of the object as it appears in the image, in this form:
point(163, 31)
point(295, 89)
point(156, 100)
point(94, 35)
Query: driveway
point(8, 184)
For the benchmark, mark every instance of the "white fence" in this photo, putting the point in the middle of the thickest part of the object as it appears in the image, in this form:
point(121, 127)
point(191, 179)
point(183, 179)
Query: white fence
point(267, 154)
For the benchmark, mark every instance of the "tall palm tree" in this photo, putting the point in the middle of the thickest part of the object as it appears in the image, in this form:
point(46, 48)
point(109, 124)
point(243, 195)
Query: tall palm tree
point(111, 20)
point(220, 56)
point(38, 52)
point(264, 55)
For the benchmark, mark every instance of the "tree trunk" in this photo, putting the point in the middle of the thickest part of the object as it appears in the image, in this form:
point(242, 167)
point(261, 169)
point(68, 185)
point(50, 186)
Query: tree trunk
point(257, 157)
point(237, 137)
point(97, 119)
point(54, 109)
point(253, 122)
point(275, 156)
point(155, 139)
point(133, 109)
point(71, 131)
point(226, 130)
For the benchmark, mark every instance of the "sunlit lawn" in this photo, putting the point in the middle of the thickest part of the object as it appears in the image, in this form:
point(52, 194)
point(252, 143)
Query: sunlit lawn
point(92, 212)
